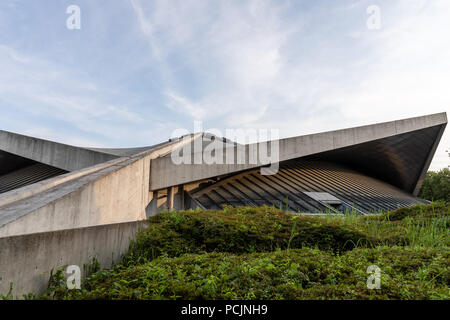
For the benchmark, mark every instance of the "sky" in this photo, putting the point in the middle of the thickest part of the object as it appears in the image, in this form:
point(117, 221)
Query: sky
point(135, 70)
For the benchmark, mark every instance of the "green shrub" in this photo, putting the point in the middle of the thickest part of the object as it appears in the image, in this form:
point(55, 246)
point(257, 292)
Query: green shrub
point(406, 273)
point(436, 185)
point(265, 253)
point(239, 230)
point(422, 211)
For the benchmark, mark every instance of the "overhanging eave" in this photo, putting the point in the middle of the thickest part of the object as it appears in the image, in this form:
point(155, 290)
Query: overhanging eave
point(165, 173)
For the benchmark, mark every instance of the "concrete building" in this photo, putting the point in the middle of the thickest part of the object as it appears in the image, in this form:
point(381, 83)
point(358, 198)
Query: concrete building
point(62, 205)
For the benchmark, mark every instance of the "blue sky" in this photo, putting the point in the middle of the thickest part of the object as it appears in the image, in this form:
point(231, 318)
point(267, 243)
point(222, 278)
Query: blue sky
point(138, 70)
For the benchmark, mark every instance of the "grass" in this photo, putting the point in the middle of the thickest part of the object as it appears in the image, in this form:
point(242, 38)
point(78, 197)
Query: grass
point(265, 253)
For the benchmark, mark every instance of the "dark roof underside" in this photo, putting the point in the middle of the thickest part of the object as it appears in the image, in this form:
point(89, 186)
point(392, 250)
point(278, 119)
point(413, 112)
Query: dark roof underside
point(363, 193)
point(17, 172)
point(397, 160)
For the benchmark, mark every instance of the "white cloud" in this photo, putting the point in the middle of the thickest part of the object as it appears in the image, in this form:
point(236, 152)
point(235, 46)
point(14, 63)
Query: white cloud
point(290, 65)
point(234, 50)
point(258, 68)
point(38, 87)
point(409, 70)
point(181, 104)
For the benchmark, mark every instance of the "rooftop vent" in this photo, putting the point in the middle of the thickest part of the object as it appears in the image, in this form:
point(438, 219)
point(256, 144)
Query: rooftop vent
point(324, 197)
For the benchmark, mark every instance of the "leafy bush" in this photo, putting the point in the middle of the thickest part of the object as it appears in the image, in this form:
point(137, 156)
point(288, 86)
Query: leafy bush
point(239, 230)
point(406, 273)
point(265, 253)
point(421, 211)
point(436, 185)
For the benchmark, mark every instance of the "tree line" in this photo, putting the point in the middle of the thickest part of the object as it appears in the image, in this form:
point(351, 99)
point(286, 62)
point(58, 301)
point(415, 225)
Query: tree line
point(436, 186)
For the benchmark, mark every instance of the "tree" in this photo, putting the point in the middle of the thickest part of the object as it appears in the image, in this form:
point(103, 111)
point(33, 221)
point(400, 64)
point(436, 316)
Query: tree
point(436, 186)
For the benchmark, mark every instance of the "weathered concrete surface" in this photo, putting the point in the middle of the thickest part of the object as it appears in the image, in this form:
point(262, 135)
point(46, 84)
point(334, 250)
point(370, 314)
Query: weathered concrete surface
point(159, 201)
point(30, 190)
point(92, 209)
point(113, 192)
point(26, 260)
point(72, 218)
point(55, 154)
point(165, 173)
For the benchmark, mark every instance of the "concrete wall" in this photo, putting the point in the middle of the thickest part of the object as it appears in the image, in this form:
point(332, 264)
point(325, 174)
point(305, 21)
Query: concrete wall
point(116, 194)
point(113, 192)
point(55, 154)
point(69, 219)
point(26, 260)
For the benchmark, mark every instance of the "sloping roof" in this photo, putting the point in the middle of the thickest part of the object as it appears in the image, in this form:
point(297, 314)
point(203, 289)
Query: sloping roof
point(28, 175)
point(397, 152)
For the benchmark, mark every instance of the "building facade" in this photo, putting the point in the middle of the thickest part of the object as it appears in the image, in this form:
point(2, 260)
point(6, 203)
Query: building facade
point(55, 196)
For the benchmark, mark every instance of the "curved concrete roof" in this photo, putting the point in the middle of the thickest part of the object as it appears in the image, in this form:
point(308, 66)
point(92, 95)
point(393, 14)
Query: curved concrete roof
point(300, 185)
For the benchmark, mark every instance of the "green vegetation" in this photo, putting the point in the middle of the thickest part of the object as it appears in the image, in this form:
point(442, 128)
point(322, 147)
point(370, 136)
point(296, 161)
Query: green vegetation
point(265, 253)
point(436, 186)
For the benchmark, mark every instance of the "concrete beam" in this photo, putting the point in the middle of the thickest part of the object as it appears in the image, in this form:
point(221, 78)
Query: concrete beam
point(55, 154)
point(428, 161)
point(170, 197)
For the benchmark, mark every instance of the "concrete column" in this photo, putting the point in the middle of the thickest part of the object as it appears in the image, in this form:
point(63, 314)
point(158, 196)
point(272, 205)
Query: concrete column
point(170, 196)
point(181, 191)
